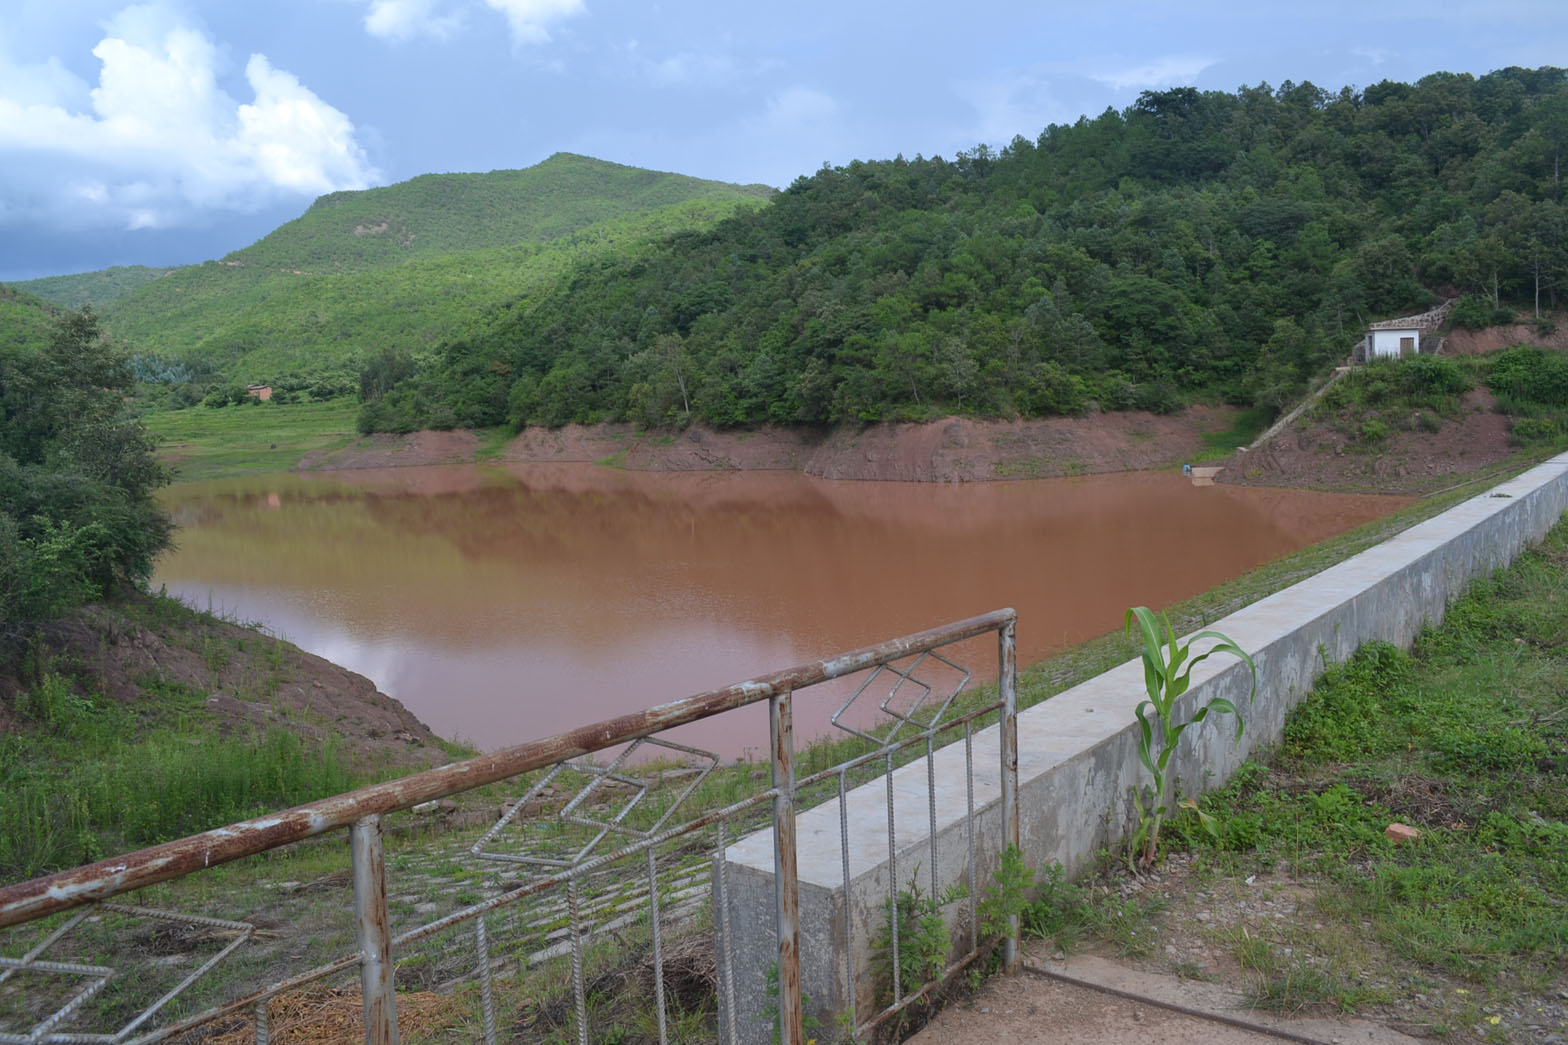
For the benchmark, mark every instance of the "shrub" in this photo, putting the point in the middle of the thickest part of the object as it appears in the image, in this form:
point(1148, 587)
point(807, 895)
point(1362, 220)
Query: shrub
point(1471, 313)
point(77, 475)
point(1533, 430)
point(1373, 431)
point(1432, 376)
point(1527, 379)
point(1159, 396)
point(1053, 390)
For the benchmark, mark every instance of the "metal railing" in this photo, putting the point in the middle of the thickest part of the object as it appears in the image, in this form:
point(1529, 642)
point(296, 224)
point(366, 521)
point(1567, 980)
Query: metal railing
point(581, 849)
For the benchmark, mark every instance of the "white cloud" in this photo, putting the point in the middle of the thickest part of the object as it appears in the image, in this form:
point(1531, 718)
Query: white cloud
point(44, 83)
point(407, 19)
point(688, 68)
point(1161, 72)
point(1375, 55)
point(158, 138)
point(294, 139)
point(801, 107)
point(1012, 103)
point(693, 68)
point(530, 20)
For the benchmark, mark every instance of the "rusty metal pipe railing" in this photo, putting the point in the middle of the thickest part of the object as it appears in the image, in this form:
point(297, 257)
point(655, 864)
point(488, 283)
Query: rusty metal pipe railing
point(786, 881)
point(360, 811)
point(374, 931)
point(99, 881)
point(1007, 683)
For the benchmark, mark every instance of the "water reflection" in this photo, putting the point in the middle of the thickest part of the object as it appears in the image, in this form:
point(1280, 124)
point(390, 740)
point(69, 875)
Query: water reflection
point(502, 604)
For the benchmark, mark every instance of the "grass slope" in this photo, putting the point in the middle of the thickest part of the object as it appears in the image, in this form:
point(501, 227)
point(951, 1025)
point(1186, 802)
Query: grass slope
point(447, 213)
point(252, 439)
point(407, 265)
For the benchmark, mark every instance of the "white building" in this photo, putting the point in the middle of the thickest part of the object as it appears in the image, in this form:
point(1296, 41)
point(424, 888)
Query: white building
point(1402, 338)
point(1395, 339)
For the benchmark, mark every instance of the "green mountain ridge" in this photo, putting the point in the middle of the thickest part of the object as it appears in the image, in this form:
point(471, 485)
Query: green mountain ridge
point(448, 213)
point(96, 288)
point(404, 266)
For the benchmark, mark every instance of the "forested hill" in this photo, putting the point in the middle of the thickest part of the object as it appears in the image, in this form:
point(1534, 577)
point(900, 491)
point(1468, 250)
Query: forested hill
point(402, 267)
point(1198, 244)
point(25, 321)
point(96, 288)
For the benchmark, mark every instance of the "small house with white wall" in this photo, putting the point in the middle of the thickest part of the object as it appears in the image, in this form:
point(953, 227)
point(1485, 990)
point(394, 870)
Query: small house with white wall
point(1395, 339)
point(1403, 338)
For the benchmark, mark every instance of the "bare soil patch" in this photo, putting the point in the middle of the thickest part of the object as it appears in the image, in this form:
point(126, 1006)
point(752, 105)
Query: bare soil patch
point(954, 449)
point(1410, 460)
point(385, 450)
point(1461, 342)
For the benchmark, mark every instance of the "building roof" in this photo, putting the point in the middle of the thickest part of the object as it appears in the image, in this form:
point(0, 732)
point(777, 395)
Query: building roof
point(1425, 322)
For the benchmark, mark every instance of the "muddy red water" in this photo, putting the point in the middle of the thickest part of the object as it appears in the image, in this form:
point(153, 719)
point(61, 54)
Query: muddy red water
point(502, 605)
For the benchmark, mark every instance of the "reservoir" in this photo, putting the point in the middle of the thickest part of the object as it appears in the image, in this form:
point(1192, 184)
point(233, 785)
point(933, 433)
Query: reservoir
point(506, 603)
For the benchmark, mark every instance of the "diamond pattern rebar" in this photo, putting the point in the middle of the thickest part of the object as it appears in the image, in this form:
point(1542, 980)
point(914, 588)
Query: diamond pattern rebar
point(99, 975)
point(601, 782)
point(908, 716)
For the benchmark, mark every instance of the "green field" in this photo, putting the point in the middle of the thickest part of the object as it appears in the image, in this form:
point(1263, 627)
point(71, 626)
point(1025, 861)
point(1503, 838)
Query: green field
point(205, 443)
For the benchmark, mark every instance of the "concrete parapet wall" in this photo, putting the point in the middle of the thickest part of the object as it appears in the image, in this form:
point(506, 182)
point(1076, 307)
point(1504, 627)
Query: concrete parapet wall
point(1078, 763)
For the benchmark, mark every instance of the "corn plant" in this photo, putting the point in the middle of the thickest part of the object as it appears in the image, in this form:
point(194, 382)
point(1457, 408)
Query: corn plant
point(1167, 672)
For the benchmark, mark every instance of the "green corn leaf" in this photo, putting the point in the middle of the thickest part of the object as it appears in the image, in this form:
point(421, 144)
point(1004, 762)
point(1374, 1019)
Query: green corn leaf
point(1145, 739)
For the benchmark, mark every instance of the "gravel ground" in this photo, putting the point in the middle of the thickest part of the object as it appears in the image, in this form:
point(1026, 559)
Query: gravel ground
point(1269, 935)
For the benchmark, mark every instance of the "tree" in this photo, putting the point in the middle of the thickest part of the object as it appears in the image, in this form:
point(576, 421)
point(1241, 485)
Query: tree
point(77, 476)
point(388, 368)
point(1282, 366)
point(1533, 233)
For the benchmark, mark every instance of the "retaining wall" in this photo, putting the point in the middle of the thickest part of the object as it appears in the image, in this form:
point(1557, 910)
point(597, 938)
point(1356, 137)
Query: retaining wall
point(1077, 752)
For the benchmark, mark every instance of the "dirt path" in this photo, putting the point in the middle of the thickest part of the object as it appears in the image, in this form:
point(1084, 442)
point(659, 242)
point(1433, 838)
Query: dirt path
point(1091, 1000)
point(1267, 949)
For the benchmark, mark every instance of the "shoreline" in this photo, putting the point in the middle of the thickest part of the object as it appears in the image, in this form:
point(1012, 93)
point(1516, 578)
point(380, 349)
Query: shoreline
point(950, 450)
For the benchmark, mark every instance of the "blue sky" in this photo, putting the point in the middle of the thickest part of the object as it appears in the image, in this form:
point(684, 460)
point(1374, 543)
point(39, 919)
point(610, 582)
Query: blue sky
point(177, 130)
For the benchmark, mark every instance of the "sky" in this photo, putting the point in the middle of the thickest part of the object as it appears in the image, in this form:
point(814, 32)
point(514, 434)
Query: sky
point(175, 131)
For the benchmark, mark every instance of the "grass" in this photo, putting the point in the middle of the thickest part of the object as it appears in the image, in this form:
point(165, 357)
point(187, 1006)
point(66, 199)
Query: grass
point(86, 775)
point(202, 442)
point(1246, 426)
point(492, 442)
point(1368, 404)
point(90, 777)
point(1464, 738)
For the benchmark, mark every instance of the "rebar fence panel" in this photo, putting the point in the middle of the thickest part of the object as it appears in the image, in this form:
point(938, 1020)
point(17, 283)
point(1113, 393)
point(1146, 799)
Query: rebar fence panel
point(592, 903)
